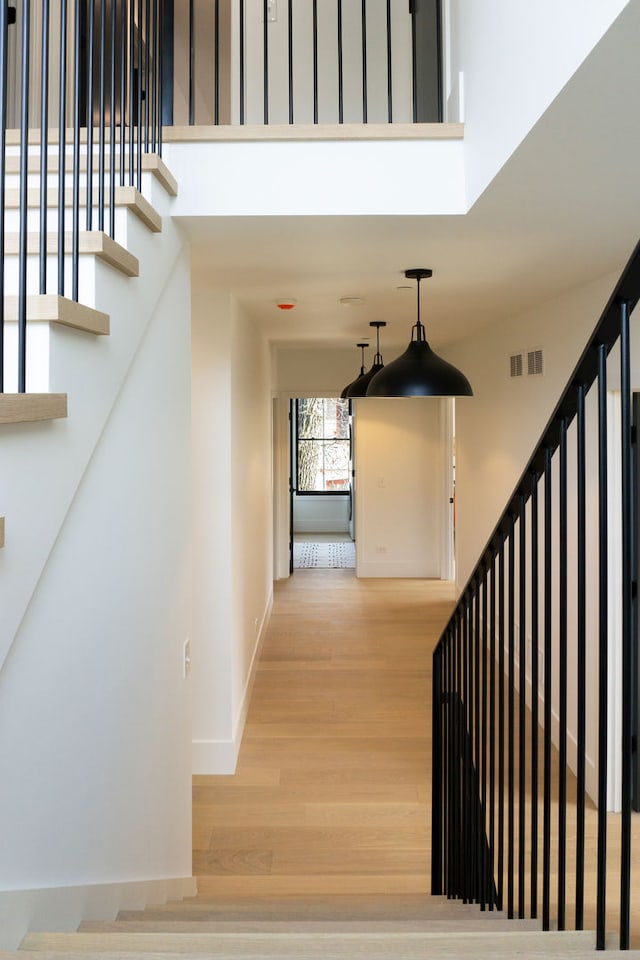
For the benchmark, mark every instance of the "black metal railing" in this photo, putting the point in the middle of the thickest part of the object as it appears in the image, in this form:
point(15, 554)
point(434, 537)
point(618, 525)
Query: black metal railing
point(535, 595)
point(92, 73)
point(271, 61)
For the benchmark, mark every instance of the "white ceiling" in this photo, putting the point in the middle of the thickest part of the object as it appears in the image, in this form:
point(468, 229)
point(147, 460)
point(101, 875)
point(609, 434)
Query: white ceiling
point(564, 210)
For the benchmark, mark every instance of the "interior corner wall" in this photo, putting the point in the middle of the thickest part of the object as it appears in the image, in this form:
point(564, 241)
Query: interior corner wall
point(94, 710)
point(515, 58)
point(232, 525)
point(399, 500)
point(497, 428)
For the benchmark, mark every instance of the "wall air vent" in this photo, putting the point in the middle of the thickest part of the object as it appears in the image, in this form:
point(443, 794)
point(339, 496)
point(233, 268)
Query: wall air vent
point(515, 365)
point(535, 365)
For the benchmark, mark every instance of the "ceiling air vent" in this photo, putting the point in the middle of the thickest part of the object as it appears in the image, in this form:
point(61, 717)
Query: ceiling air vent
point(515, 365)
point(535, 365)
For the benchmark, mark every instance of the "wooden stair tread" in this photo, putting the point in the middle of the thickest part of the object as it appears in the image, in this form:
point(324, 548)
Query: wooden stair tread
point(125, 196)
point(439, 925)
point(29, 407)
point(51, 308)
point(96, 243)
point(151, 163)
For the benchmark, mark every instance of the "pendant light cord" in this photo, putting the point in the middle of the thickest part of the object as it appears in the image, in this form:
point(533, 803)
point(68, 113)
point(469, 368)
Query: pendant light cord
point(419, 327)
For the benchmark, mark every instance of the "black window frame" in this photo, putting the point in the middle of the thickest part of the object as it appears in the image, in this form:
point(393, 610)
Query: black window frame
point(296, 440)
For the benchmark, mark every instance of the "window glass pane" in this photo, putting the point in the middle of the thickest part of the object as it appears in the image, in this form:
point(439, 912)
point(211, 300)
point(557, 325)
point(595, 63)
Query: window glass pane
point(323, 445)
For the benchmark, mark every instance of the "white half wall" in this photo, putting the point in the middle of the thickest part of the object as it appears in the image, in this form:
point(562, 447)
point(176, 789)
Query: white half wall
point(399, 489)
point(232, 520)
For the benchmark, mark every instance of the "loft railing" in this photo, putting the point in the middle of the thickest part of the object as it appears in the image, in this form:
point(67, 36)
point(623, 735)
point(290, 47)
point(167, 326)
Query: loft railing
point(80, 103)
point(303, 62)
point(533, 632)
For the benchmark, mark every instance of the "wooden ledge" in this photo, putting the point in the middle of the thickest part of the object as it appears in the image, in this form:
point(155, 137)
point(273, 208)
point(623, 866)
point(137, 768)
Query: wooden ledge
point(27, 407)
point(304, 132)
point(95, 243)
point(50, 308)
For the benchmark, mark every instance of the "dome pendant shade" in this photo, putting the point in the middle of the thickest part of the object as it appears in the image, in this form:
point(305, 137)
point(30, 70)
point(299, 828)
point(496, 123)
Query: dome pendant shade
point(346, 392)
point(359, 387)
point(419, 372)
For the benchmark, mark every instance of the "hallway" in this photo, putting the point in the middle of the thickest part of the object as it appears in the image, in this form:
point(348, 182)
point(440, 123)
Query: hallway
point(332, 789)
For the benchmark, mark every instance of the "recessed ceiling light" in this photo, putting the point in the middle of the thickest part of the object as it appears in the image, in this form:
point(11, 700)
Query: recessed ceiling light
point(351, 301)
point(404, 286)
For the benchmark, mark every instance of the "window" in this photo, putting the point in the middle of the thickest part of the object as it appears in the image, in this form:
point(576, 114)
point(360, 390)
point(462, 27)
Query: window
point(323, 445)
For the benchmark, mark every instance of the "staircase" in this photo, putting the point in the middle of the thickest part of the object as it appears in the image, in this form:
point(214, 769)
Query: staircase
point(305, 928)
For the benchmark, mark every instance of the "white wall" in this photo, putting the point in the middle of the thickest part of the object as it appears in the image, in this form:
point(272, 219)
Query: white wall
point(94, 711)
point(231, 399)
point(399, 490)
point(501, 45)
point(498, 427)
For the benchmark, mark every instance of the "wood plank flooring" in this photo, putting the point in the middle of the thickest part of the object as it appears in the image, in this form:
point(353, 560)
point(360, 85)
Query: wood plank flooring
point(332, 790)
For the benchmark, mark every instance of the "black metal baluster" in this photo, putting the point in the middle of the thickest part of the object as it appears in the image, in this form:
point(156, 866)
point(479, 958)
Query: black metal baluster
point(364, 61)
point(484, 892)
point(89, 117)
point(389, 66)
point(62, 141)
point(265, 62)
point(535, 653)
point(582, 649)
point(492, 733)
point(510, 722)
point(192, 62)
point(501, 720)
point(112, 125)
point(153, 57)
point(457, 707)
point(562, 676)
point(475, 744)
point(140, 91)
point(75, 211)
point(242, 64)
point(290, 56)
point(24, 170)
point(465, 735)
point(437, 785)
point(44, 143)
point(123, 90)
point(216, 65)
point(3, 165)
point(101, 115)
point(446, 758)
point(414, 58)
point(627, 627)
point(132, 92)
point(147, 73)
point(315, 60)
point(603, 647)
point(546, 828)
point(522, 699)
point(161, 22)
point(340, 67)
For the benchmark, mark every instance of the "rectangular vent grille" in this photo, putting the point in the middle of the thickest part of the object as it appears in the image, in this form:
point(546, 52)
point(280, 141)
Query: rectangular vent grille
point(515, 364)
point(535, 365)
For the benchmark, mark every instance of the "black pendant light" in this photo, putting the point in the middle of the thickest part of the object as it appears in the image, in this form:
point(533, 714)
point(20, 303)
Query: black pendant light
point(359, 387)
point(345, 393)
point(419, 372)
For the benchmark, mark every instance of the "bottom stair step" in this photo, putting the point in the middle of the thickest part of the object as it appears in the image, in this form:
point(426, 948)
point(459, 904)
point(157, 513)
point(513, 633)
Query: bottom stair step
point(438, 925)
point(313, 946)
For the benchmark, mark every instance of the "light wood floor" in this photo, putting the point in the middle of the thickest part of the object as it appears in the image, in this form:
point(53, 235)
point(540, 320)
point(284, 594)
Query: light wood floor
point(332, 790)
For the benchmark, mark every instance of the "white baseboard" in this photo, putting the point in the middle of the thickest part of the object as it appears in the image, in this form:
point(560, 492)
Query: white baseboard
point(211, 757)
point(61, 909)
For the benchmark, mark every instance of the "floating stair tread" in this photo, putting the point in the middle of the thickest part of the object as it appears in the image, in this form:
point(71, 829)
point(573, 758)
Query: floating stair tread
point(95, 242)
point(151, 163)
point(28, 407)
point(439, 925)
point(126, 196)
point(409, 946)
point(52, 308)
